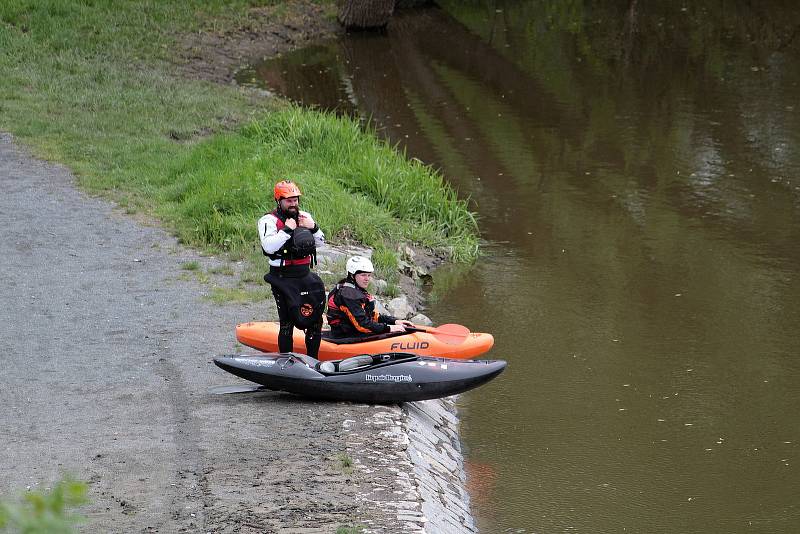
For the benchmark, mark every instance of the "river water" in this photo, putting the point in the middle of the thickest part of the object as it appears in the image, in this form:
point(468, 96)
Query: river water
point(636, 171)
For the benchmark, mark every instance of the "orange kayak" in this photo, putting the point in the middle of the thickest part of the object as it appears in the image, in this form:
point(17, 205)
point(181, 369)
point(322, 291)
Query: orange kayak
point(264, 337)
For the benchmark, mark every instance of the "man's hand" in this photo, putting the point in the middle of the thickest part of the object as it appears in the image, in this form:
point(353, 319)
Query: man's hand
point(290, 223)
point(397, 328)
point(403, 322)
point(306, 221)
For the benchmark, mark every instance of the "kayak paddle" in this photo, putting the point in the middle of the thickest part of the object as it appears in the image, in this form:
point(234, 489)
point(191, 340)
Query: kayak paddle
point(452, 334)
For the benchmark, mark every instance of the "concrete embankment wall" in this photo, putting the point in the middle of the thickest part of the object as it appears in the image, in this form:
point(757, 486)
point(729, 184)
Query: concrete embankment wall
point(415, 470)
point(435, 452)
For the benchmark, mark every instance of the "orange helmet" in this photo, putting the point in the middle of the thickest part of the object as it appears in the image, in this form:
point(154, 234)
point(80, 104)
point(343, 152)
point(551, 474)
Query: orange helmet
point(286, 189)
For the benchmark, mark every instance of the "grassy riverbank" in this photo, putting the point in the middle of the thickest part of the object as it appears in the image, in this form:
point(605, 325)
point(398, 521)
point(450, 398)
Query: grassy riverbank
point(95, 85)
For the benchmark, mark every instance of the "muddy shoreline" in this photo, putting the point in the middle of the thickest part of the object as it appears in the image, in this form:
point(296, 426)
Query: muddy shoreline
point(267, 32)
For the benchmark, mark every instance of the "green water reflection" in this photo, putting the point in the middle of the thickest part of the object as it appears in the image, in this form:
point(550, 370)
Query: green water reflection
point(636, 169)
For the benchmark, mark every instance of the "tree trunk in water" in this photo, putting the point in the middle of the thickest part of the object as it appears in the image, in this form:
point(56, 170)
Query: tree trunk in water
point(365, 14)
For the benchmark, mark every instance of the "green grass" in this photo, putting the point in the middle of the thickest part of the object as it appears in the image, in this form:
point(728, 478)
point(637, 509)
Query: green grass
point(45, 512)
point(345, 462)
point(93, 84)
point(240, 295)
point(190, 266)
point(222, 270)
point(357, 187)
point(89, 84)
point(392, 290)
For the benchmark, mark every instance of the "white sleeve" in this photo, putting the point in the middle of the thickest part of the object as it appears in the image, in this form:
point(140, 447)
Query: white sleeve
point(271, 238)
point(319, 237)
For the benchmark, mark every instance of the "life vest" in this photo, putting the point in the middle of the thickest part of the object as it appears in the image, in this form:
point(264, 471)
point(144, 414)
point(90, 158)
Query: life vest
point(299, 249)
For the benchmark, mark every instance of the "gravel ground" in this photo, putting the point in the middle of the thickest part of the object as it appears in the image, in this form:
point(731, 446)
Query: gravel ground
point(107, 375)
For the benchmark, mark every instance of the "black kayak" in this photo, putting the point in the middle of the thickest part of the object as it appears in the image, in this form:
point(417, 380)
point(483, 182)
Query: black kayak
point(372, 378)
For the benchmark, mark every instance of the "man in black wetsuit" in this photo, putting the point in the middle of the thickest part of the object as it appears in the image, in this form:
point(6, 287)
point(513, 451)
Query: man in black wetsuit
point(293, 282)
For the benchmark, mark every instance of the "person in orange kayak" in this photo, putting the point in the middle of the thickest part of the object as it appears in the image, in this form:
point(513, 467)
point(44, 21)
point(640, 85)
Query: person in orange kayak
point(351, 309)
point(289, 237)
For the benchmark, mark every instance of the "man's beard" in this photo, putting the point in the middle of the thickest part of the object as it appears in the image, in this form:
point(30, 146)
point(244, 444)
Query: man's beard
point(292, 212)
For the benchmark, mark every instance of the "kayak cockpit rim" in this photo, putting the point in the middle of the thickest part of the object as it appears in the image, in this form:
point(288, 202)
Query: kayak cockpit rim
point(362, 362)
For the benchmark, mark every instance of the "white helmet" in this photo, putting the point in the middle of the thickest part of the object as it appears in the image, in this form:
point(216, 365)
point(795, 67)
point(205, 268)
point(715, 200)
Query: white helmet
point(359, 264)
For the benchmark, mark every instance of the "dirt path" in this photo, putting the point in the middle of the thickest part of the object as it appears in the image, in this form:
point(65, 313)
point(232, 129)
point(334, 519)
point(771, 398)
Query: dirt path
point(107, 373)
